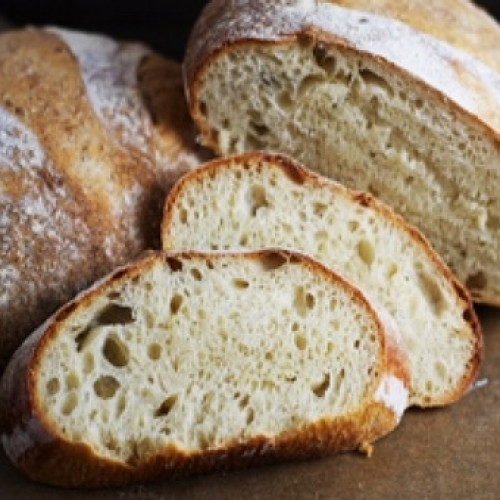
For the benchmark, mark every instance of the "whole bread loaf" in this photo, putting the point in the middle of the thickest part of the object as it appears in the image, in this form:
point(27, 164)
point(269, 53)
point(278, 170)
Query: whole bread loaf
point(396, 98)
point(92, 135)
point(190, 362)
point(262, 200)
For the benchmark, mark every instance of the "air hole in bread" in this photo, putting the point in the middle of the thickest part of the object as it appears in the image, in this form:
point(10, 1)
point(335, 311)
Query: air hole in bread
point(303, 302)
point(259, 129)
point(353, 226)
point(432, 292)
point(257, 199)
point(243, 240)
point(240, 283)
point(243, 402)
point(53, 386)
point(285, 101)
point(70, 403)
point(176, 303)
point(154, 352)
point(320, 389)
point(272, 261)
point(174, 264)
point(250, 416)
point(114, 295)
point(114, 314)
point(392, 270)
point(166, 407)
point(366, 252)
point(373, 79)
point(325, 61)
point(115, 351)
point(307, 84)
point(300, 342)
point(183, 216)
point(320, 209)
point(477, 281)
point(106, 386)
point(196, 274)
point(81, 338)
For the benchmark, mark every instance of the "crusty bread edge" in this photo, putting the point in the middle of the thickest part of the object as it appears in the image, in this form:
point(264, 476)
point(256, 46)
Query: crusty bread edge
point(300, 175)
point(43, 454)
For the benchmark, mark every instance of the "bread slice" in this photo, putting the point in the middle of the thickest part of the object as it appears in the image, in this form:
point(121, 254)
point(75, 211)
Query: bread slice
point(192, 362)
point(92, 135)
point(263, 200)
point(372, 94)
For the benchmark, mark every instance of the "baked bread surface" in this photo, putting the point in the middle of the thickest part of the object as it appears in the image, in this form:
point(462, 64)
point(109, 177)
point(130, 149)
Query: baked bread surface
point(194, 362)
point(92, 135)
point(370, 101)
point(261, 200)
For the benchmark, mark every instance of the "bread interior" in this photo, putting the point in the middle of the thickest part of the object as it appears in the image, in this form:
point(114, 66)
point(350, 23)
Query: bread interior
point(254, 203)
point(196, 353)
point(352, 118)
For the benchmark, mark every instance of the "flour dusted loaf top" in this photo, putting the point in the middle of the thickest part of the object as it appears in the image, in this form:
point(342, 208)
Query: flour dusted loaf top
point(190, 362)
point(92, 134)
point(262, 200)
point(396, 98)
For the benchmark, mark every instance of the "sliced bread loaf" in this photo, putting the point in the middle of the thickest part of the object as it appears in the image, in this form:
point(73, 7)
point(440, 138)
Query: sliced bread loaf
point(353, 90)
point(92, 135)
point(192, 362)
point(263, 200)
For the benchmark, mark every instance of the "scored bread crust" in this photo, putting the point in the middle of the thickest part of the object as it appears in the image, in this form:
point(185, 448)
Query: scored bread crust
point(459, 74)
point(38, 447)
point(92, 135)
point(300, 175)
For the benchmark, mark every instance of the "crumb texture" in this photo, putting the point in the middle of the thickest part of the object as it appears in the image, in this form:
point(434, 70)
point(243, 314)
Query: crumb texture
point(197, 353)
point(348, 115)
point(254, 202)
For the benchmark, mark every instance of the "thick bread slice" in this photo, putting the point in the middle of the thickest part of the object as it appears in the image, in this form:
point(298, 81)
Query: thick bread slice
point(368, 100)
point(190, 362)
point(92, 135)
point(262, 200)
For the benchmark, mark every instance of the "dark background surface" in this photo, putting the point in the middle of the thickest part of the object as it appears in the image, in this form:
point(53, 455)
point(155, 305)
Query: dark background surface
point(163, 24)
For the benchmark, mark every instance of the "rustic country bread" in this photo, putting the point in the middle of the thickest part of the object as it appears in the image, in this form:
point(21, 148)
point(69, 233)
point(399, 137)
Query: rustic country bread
point(262, 200)
point(191, 362)
point(370, 101)
point(92, 134)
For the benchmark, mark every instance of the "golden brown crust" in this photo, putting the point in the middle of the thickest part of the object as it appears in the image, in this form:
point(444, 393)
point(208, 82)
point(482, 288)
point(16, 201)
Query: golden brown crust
point(301, 175)
point(457, 22)
point(44, 454)
point(77, 197)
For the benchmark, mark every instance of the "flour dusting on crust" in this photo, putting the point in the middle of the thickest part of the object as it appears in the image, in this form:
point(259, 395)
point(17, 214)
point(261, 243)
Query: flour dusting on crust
point(109, 71)
point(469, 83)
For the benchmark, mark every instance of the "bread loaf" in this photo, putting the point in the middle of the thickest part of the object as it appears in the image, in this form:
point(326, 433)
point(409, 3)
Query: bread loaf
point(190, 362)
point(396, 98)
point(263, 200)
point(92, 134)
